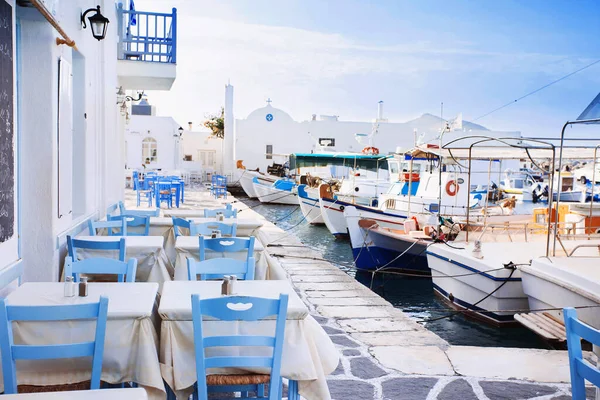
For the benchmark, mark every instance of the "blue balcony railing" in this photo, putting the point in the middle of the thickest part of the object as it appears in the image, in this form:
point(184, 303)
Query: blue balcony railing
point(147, 36)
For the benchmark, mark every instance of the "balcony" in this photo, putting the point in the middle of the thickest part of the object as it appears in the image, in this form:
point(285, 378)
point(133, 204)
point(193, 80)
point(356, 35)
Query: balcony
point(147, 50)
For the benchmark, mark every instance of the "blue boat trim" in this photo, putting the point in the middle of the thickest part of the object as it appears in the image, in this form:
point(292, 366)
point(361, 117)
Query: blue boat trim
point(473, 269)
point(311, 204)
point(359, 207)
point(479, 310)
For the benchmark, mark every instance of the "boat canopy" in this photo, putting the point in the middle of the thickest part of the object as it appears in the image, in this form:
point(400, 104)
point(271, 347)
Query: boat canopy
point(486, 148)
point(351, 160)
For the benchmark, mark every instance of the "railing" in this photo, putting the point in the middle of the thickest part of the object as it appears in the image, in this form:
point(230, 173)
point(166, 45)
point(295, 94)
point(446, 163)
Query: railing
point(147, 36)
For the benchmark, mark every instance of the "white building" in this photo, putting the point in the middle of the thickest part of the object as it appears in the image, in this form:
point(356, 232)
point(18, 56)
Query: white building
point(62, 137)
point(268, 134)
point(161, 143)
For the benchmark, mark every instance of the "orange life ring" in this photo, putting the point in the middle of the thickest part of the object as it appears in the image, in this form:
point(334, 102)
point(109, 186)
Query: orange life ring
point(370, 150)
point(451, 188)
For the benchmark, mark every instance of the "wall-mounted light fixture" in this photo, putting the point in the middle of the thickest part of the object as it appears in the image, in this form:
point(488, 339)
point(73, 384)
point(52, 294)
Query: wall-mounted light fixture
point(98, 23)
point(180, 130)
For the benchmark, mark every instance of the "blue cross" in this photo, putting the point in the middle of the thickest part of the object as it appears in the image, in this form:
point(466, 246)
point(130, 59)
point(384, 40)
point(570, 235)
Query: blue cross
point(269, 117)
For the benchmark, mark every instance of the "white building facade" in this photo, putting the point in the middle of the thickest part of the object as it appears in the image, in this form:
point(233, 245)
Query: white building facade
point(63, 125)
point(269, 134)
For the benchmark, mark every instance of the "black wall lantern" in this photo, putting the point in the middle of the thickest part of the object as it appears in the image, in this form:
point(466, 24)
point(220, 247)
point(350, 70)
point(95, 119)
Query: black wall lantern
point(98, 23)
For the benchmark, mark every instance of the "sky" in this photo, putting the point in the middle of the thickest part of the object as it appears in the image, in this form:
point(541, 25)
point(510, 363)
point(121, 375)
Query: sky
point(341, 57)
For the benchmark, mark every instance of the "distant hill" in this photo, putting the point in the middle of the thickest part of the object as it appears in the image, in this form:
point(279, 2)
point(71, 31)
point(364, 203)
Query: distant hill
point(432, 123)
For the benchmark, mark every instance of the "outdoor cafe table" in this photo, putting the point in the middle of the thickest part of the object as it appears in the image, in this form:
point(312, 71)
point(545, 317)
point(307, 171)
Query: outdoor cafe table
point(130, 347)
point(102, 394)
point(308, 353)
point(153, 263)
point(189, 247)
point(163, 226)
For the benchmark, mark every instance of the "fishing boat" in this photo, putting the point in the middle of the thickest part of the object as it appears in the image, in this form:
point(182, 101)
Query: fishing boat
point(521, 185)
point(279, 192)
point(482, 274)
point(419, 195)
point(245, 177)
point(361, 174)
point(377, 247)
point(567, 189)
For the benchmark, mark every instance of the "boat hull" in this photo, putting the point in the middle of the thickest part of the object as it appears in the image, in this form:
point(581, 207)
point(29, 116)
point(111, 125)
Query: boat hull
point(392, 253)
point(246, 177)
point(309, 205)
point(272, 195)
point(481, 286)
point(560, 283)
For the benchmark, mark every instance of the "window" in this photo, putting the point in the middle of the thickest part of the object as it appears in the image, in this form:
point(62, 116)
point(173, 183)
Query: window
point(269, 152)
point(149, 151)
point(327, 142)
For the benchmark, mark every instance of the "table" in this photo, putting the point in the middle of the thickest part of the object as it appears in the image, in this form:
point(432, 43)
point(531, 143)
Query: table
point(130, 349)
point(188, 246)
point(102, 394)
point(308, 353)
point(153, 263)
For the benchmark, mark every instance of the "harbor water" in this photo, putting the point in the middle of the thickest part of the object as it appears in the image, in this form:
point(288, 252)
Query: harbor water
point(414, 296)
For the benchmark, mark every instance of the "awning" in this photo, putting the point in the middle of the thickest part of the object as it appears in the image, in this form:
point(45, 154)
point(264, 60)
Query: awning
point(351, 160)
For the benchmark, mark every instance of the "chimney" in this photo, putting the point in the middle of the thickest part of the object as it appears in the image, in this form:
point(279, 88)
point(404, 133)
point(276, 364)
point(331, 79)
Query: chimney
point(380, 110)
point(190, 125)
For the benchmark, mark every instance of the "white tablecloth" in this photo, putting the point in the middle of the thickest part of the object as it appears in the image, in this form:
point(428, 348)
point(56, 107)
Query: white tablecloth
point(188, 247)
point(130, 349)
point(153, 263)
point(308, 353)
point(102, 394)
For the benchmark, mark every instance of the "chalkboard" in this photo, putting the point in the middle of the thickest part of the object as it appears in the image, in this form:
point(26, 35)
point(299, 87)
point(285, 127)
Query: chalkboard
point(7, 157)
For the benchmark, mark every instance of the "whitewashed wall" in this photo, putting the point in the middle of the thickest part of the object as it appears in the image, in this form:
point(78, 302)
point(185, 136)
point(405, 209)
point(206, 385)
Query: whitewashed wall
point(160, 128)
point(97, 157)
point(193, 142)
point(288, 136)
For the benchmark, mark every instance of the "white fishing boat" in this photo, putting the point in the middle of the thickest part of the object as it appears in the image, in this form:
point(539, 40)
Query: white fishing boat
point(279, 192)
point(336, 168)
point(246, 176)
point(332, 204)
point(487, 281)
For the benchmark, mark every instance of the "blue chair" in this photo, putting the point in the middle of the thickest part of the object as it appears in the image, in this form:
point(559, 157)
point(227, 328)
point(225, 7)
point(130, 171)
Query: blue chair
point(133, 221)
point(227, 213)
point(218, 186)
point(163, 192)
point(217, 268)
point(125, 271)
point(114, 245)
point(219, 308)
point(143, 193)
point(12, 352)
point(110, 210)
point(226, 245)
point(93, 226)
point(135, 177)
point(180, 223)
point(206, 228)
point(581, 370)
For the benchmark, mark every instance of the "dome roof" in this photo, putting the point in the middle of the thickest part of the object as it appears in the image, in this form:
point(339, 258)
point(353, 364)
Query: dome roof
point(270, 113)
